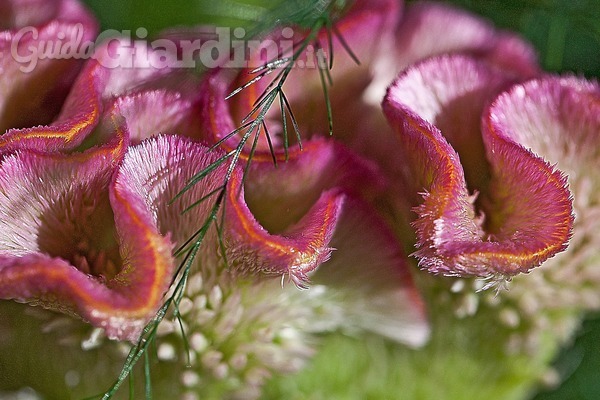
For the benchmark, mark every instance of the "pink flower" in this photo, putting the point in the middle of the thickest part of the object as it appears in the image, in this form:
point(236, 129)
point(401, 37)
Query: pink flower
point(524, 211)
point(31, 29)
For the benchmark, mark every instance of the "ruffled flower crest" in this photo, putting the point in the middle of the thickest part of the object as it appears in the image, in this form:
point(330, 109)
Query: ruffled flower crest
point(527, 211)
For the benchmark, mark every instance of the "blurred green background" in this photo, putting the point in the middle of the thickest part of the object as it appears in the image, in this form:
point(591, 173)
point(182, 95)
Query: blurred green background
point(566, 34)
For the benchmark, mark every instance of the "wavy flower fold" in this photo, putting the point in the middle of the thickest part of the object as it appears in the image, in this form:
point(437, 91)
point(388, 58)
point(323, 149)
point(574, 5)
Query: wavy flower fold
point(526, 212)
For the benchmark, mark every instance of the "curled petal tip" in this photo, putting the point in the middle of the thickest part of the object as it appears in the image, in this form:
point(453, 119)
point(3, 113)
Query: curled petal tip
point(296, 251)
point(525, 204)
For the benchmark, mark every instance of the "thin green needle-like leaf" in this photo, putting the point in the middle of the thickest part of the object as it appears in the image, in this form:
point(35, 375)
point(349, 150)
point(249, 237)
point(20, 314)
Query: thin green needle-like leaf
point(340, 37)
point(263, 95)
point(177, 314)
point(249, 83)
point(220, 226)
point(137, 351)
point(180, 268)
point(271, 149)
point(271, 64)
point(327, 100)
point(238, 151)
point(199, 234)
point(148, 382)
point(250, 156)
point(293, 118)
point(329, 41)
point(202, 199)
point(285, 131)
point(264, 103)
point(230, 135)
point(190, 241)
point(328, 75)
point(131, 387)
point(201, 175)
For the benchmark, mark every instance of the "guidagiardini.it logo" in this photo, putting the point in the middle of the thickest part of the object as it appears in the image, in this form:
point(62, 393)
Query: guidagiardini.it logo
point(220, 47)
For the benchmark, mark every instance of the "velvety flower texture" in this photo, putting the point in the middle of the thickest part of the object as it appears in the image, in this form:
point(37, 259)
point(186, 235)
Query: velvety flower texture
point(35, 97)
point(456, 164)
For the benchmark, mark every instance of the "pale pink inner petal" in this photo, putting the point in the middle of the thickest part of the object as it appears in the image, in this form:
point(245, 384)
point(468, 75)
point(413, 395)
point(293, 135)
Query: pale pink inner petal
point(557, 118)
point(451, 93)
point(151, 113)
point(368, 277)
point(157, 169)
point(62, 214)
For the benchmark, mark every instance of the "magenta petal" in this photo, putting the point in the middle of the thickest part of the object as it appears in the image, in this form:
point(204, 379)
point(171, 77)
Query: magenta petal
point(513, 235)
point(296, 252)
point(74, 245)
point(558, 118)
point(33, 89)
point(81, 113)
point(104, 81)
point(250, 248)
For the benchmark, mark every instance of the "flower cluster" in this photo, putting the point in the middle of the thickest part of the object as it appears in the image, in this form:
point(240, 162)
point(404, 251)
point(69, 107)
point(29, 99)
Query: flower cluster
point(125, 189)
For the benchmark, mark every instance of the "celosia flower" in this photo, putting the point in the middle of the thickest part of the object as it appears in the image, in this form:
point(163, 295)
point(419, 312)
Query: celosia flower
point(453, 240)
point(453, 165)
point(89, 230)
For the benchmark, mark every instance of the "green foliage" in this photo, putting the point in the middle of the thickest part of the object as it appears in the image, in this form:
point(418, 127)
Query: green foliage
point(565, 33)
point(463, 360)
point(579, 366)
